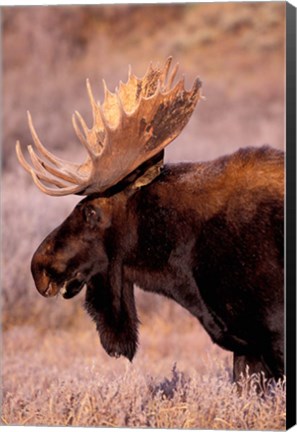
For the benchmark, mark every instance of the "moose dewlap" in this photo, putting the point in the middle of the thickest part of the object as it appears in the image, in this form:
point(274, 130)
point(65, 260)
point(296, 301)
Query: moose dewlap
point(207, 235)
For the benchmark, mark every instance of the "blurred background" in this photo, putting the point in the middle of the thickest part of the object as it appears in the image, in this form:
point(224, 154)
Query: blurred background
point(237, 49)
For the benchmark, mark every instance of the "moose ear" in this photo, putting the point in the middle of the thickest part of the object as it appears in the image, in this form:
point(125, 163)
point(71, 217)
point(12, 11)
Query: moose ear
point(92, 215)
point(96, 216)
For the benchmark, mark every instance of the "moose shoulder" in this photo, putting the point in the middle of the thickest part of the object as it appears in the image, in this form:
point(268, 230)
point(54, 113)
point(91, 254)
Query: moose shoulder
point(207, 235)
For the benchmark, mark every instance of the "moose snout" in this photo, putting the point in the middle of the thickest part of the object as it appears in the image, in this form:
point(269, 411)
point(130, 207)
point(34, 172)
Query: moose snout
point(44, 284)
point(41, 274)
point(44, 272)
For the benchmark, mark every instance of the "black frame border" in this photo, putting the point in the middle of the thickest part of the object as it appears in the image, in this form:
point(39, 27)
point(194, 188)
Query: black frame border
point(290, 214)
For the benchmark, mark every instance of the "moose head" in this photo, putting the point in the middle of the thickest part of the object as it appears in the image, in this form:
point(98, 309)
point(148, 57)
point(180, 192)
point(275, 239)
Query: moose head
point(125, 147)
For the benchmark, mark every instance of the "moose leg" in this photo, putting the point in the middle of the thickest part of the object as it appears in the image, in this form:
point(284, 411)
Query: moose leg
point(188, 295)
point(117, 328)
point(269, 357)
point(254, 362)
point(274, 355)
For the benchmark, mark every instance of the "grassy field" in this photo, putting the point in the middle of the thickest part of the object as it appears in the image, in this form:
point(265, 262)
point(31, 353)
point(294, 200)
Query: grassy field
point(61, 376)
point(54, 371)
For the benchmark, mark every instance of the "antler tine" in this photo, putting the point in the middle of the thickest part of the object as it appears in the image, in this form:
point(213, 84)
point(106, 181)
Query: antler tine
point(55, 192)
point(149, 69)
point(167, 65)
point(92, 99)
point(62, 165)
point(105, 88)
point(120, 103)
point(29, 169)
point(165, 70)
point(85, 141)
point(107, 95)
point(96, 111)
point(129, 71)
point(53, 159)
point(180, 85)
point(171, 77)
point(21, 158)
point(82, 123)
point(80, 136)
point(62, 174)
point(40, 170)
point(197, 88)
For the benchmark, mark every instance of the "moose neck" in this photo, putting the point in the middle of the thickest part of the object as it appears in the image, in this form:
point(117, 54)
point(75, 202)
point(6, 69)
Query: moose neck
point(141, 176)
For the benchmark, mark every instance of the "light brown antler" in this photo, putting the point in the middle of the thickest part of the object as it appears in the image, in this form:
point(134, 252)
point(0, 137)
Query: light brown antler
point(132, 126)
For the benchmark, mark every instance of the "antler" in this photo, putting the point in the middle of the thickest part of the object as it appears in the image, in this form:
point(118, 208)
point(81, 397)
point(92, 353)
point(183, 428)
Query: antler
point(132, 126)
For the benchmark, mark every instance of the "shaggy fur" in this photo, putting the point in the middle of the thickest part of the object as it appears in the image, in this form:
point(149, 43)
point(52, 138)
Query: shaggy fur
point(207, 235)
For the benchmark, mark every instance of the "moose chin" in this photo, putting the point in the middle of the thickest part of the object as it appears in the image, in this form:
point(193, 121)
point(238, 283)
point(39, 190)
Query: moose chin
point(208, 235)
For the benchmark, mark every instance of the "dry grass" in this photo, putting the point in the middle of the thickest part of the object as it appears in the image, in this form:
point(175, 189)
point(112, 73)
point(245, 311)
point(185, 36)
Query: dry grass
point(62, 377)
point(54, 370)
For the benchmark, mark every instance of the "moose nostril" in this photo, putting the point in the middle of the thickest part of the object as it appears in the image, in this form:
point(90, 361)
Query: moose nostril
point(46, 275)
point(49, 291)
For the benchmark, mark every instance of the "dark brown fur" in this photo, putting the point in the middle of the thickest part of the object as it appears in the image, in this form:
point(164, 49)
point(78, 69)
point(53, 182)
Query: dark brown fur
point(207, 235)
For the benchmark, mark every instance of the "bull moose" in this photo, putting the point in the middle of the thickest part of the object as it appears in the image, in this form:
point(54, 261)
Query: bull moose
point(207, 235)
